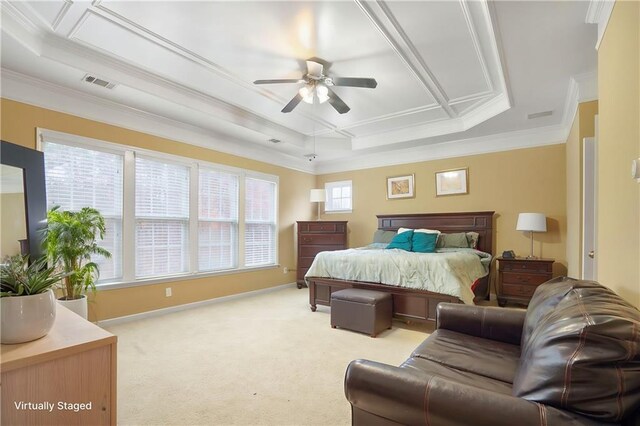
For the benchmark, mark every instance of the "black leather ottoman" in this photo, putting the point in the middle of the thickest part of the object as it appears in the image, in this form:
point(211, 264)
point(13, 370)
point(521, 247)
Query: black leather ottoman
point(366, 311)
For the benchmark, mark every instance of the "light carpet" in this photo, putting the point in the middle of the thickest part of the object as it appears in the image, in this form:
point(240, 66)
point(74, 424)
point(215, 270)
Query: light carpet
point(264, 359)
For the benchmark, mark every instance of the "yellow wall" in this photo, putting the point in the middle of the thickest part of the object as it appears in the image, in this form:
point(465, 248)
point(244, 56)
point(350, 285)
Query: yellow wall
point(509, 182)
point(618, 246)
point(19, 123)
point(583, 127)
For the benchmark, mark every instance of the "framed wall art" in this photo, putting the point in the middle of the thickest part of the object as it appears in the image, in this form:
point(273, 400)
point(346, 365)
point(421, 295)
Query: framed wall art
point(401, 187)
point(452, 182)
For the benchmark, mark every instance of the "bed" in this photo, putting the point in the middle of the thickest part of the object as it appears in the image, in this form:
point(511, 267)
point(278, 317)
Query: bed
point(408, 303)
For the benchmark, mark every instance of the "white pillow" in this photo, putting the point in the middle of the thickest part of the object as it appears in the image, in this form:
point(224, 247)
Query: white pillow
point(427, 231)
point(423, 230)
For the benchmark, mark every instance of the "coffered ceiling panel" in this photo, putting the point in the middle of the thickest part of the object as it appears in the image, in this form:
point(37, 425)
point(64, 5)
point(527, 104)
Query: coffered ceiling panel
point(50, 12)
point(397, 122)
point(458, 69)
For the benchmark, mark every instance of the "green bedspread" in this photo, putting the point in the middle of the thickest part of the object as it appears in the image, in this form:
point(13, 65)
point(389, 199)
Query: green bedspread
point(449, 271)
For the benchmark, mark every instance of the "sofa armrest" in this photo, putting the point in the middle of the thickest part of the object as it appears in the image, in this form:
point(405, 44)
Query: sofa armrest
point(410, 397)
point(502, 324)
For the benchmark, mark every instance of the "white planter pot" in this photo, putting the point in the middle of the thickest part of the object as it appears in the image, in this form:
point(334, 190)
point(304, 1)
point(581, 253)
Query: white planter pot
point(79, 306)
point(26, 318)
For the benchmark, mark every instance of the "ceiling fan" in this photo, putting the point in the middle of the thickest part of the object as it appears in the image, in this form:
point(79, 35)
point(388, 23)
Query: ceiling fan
point(318, 86)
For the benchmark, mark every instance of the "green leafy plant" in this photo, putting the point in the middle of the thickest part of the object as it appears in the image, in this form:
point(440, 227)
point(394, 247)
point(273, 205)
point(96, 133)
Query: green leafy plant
point(70, 240)
point(19, 278)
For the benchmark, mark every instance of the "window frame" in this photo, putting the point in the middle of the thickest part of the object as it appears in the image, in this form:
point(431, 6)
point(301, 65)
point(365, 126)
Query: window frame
point(129, 215)
point(328, 186)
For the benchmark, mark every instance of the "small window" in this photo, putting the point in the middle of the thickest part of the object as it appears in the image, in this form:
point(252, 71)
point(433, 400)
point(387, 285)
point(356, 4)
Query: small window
point(338, 197)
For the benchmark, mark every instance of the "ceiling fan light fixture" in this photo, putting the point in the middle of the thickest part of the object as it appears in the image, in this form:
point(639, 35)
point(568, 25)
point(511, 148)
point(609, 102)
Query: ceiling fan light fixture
point(322, 92)
point(307, 94)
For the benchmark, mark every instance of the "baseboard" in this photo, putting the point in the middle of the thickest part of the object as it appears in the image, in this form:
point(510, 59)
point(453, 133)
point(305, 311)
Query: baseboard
point(184, 307)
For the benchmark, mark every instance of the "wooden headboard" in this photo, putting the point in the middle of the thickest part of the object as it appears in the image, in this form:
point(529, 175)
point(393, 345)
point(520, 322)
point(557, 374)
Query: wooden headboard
point(480, 222)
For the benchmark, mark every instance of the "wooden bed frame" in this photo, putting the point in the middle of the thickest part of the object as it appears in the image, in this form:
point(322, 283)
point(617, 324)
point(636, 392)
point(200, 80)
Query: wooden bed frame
point(412, 304)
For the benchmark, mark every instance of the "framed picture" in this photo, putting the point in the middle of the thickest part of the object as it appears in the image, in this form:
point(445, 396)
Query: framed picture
point(452, 182)
point(400, 187)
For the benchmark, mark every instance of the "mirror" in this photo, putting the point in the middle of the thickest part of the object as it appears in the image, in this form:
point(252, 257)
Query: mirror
point(13, 218)
point(26, 166)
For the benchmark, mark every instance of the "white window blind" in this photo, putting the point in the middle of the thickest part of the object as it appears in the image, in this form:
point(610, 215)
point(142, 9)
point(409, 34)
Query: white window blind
point(77, 178)
point(338, 196)
point(162, 218)
point(217, 220)
point(260, 222)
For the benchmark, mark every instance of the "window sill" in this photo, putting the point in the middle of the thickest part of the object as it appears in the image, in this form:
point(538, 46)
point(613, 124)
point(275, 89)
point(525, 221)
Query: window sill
point(338, 211)
point(181, 277)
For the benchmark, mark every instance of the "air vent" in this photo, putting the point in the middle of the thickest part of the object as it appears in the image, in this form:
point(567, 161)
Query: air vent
point(539, 114)
point(92, 79)
point(272, 140)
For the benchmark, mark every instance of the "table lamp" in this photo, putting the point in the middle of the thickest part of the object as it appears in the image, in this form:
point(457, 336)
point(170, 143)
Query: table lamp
point(532, 222)
point(318, 196)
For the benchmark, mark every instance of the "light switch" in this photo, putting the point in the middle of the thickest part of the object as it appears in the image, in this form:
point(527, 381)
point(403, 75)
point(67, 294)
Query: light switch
point(635, 169)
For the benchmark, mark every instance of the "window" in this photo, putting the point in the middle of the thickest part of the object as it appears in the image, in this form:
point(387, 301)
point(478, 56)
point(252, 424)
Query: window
point(162, 218)
point(260, 222)
point(338, 196)
point(78, 178)
point(217, 220)
point(166, 216)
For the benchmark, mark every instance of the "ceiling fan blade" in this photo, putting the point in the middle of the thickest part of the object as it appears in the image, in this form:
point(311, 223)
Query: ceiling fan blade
point(276, 81)
point(314, 69)
point(369, 83)
point(292, 103)
point(337, 103)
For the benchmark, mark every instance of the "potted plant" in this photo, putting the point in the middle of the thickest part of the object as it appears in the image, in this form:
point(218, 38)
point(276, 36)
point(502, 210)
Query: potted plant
point(27, 303)
point(70, 240)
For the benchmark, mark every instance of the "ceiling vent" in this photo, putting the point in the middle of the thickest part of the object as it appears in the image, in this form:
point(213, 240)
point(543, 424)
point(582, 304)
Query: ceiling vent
point(92, 79)
point(539, 114)
point(273, 140)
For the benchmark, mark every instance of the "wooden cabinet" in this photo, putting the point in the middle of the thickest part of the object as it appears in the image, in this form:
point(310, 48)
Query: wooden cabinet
point(518, 278)
point(314, 237)
point(72, 370)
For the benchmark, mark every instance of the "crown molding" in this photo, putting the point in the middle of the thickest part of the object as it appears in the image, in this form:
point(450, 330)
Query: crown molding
point(599, 12)
point(551, 135)
point(582, 88)
point(43, 94)
point(47, 95)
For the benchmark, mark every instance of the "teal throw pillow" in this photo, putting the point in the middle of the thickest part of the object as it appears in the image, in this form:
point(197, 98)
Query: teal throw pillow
point(423, 243)
point(402, 241)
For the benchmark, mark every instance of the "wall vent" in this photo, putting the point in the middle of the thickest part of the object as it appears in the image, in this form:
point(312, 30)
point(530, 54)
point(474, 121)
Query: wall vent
point(92, 79)
point(539, 114)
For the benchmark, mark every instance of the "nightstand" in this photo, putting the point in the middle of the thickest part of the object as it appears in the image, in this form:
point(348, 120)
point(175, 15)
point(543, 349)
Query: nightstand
point(518, 278)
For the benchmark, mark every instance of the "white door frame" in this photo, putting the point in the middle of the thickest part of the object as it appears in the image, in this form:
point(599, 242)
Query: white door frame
point(589, 269)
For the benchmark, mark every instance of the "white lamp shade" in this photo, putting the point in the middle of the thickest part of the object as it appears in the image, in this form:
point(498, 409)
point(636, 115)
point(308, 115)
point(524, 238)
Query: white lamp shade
point(535, 222)
point(317, 196)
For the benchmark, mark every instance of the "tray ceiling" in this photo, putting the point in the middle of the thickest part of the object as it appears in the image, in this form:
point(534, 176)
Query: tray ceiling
point(440, 66)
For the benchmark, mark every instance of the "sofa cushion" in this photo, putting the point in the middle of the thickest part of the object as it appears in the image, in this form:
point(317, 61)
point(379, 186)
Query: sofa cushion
point(584, 355)
point(544, 301)
point(489, 358)
point(421, 365)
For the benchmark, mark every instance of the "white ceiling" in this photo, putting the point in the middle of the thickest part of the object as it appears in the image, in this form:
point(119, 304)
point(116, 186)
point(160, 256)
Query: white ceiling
point(454, 77)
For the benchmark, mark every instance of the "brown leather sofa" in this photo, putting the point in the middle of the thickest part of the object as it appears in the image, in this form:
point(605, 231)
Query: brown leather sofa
point(572, 358)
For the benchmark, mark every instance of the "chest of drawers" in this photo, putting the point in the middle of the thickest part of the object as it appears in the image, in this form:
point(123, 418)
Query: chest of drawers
point(518, 278)
point(314, 237)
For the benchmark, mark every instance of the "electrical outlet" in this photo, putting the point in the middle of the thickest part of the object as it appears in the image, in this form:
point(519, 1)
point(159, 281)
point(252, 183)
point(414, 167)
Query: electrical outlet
point(167, 292)
point(285, 270)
